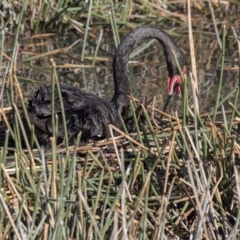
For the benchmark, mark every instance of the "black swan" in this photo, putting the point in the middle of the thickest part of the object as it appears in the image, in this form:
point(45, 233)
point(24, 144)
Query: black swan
point(90, 114)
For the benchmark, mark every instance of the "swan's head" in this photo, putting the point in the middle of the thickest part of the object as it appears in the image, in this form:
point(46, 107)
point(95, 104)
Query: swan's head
point(175, 82)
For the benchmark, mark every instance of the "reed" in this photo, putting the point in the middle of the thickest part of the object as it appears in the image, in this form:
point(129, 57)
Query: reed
point(174, 175)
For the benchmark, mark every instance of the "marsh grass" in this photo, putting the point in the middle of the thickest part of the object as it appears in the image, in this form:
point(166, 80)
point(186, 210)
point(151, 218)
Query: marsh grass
point(175, 176)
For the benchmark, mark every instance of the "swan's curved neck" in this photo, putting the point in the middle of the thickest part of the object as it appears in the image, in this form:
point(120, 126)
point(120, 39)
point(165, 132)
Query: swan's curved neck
point(121, 56)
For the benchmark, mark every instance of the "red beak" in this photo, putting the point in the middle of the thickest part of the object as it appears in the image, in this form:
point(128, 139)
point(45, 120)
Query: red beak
point(174, 85)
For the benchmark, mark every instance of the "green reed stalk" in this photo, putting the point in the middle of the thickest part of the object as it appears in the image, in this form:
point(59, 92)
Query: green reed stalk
point(96, 203)
point(123, 195)
point(138, 50)
point(233, 112)
point(53, 100)
point(138, 201)
point(185, 103)
point(39, 17)
point(32, 163)
point(62, 163)
point(92, 218)
point(151, 129)
point(235, 229)
point(145, 212)
point(86, 29)
point(221, 73)
point(31, 140)
point(47, 10)
point(19, 214)
point(2, 215)
point(31, 128)
point(97, 48)
point(95, 158)
point(58, 231)
point(2, 37)
point(11, 220)
point(71, 176)
point(126, 131)
point(36, 205)
point(234, 233)
point(125, 8)
point(222, 100)
point(193, 75)
point(81, 222)
point(109, 217)
point(133, 111)
point(105, 203)
point(135, 170)
point(62, 112)
point(38, 230)
point(53, 193)
point(215, 25)
point(56, 125)
point(4, 152)
point(114, 25)
point(238, 44)
point(2, 161)
point(16, 34)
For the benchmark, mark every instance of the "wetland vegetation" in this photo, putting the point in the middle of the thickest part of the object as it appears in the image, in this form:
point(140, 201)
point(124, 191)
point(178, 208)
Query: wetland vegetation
point(175, 175)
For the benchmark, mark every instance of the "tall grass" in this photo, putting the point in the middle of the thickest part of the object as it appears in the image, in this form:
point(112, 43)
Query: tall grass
point(175, 176)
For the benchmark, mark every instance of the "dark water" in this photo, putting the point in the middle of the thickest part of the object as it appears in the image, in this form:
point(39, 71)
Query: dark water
point(147, 69)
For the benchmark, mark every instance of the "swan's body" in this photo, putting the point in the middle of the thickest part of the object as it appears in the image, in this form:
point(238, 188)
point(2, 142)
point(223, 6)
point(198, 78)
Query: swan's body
point(90, 114)
point(85, 112)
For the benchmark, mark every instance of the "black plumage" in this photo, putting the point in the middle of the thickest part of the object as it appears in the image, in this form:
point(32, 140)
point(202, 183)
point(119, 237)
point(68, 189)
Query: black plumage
point(90, 114)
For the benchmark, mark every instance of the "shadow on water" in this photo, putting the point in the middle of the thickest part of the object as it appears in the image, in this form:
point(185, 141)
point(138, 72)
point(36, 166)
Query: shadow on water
point(147, 69)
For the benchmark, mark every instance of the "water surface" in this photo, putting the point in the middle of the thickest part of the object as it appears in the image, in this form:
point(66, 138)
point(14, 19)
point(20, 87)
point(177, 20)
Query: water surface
point(147, 69)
